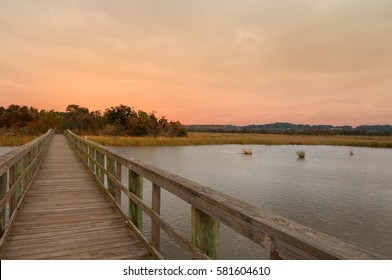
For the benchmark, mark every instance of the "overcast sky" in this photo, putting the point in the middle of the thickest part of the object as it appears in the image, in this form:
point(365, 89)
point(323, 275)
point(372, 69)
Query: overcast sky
point(205, 61)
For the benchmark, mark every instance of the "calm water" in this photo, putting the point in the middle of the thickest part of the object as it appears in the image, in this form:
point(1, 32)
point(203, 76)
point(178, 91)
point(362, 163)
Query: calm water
point(349, 197)
point(4, 150)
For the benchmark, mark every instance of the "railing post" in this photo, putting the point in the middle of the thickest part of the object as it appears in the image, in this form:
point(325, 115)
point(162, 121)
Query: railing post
point(12, 179)
point(205, 233)
point(29, 160)
point(118, 176)
point(111, 166)
point(36, 151)
point(94, 155)
point(3, 190)
point(156, 207)
point(90, 161)
point(135, 185)
point(19, 171)
point(25, 178)
point(274, 255)
point(98, 170)
point(85, 154)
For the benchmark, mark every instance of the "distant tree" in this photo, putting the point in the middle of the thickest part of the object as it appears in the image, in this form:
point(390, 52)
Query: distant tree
point(120, 114)
point(97, 121)
point(143, 125)
point(119, 120)
point(17, 118)
point(49, 120)
point(177, 129)
point(77, 117)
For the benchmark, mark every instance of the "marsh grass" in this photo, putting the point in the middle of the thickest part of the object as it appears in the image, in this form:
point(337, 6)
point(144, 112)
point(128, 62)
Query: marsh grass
point(248, 152)
point(14, 140)
point(204, 138)
point(301, 154)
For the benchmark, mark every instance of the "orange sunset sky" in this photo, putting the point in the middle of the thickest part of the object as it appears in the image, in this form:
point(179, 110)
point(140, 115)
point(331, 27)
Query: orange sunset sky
point(205, 61)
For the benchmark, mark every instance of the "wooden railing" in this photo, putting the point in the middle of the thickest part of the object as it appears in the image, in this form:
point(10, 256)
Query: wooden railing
point(283, 238)
point(17, 170)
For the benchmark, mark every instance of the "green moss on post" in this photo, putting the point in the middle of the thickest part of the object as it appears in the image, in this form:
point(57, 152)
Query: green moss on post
point(205, 233)
point(91, 152)
point(99, 157)
point(112, 170)
point(30, 172)
point(19, 171)
point(135, 185)
point(11, 180)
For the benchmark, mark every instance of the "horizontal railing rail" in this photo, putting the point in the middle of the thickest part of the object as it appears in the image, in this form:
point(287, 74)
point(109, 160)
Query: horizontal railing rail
point(284, 239)
point(17, 171)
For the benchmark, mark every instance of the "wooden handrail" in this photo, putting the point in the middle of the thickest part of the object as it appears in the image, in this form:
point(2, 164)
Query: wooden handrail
point(17, 171)
point(284, 239)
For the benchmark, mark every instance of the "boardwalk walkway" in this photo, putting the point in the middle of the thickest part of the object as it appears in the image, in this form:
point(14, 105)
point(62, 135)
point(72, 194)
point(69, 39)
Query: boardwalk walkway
point(65, 216)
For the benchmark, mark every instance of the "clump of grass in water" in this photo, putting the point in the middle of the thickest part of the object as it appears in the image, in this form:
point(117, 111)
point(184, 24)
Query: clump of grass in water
point(301, 154)
point(247, 152)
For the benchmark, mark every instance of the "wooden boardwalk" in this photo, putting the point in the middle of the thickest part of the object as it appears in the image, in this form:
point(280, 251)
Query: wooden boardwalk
point(65, 216)
point(60, 211)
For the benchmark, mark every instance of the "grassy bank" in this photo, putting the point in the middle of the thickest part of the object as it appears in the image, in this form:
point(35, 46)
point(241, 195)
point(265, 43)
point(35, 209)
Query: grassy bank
point(198, 138)
point(11, 140)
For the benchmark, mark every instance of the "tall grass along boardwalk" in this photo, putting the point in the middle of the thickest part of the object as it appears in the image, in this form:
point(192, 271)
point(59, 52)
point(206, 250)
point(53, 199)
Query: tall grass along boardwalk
point(54, 207)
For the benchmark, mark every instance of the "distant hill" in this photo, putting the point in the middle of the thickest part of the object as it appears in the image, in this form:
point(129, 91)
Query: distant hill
point(289, 128)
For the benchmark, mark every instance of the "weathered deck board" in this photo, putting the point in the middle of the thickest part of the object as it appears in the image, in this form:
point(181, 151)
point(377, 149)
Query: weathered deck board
point(65, 216)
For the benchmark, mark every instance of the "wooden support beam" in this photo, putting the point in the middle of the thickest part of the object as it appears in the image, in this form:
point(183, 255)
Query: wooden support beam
point(30, 160)
point(12, 179)
point(3, 190)
point(205, 233)
point(135, 186)
point(91, 152)
point(111, 167)
point(25, 176)
point(156, 207)
point(118, 177)
point(99, 172)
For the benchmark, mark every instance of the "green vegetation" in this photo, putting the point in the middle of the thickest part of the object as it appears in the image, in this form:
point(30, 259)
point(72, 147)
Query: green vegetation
point(120, 121)
point(301, 154)
point(204, 138)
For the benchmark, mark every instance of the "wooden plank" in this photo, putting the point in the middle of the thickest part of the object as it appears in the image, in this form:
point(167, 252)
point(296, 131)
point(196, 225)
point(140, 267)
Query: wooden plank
point(64, 215)
point(3, 190)
point(118, 177)
point(156, 207)
point(12, 179)
point(135, 186)
point(205, 233)
point(111, 167)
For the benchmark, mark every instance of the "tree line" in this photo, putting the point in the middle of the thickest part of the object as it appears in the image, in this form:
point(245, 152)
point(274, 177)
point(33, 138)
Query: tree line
point(119, 120)
point(301, 129)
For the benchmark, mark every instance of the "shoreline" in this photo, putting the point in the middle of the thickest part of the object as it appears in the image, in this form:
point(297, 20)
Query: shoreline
point(213, 138)
point(207, 138)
